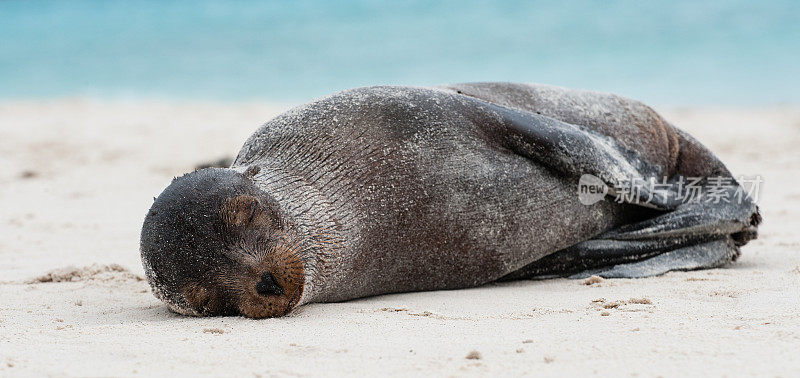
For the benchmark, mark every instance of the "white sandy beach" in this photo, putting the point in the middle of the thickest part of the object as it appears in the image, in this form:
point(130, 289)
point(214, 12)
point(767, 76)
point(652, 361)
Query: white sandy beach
point(77, 177)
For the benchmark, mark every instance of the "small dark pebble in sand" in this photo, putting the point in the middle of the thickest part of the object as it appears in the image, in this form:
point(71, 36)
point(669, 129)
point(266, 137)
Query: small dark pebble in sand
point(28, 174)
point(213, 330)
point(474, 355)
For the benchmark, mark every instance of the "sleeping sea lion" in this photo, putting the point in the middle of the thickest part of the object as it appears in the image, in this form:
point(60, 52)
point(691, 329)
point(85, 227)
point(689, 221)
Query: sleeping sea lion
point(395, 189)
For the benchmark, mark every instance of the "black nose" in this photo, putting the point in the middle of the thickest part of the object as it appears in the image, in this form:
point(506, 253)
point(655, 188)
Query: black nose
point(268, 285)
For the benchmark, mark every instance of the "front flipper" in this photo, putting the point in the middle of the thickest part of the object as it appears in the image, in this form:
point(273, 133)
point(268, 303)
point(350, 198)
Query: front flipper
point(693, 232)
point(575, 150)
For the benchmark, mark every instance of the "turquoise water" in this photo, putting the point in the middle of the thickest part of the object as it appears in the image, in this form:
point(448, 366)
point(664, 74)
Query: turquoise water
point(676, 52)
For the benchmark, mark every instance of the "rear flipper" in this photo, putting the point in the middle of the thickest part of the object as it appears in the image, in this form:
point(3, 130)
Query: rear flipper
point(699, 256)
point(695, 235)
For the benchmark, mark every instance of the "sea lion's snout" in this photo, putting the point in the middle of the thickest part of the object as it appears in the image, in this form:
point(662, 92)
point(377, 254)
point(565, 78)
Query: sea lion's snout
point(268, 286)
point(214, 244)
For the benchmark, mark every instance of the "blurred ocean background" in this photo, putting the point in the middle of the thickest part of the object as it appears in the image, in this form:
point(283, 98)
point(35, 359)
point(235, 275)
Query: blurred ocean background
point(665, 52)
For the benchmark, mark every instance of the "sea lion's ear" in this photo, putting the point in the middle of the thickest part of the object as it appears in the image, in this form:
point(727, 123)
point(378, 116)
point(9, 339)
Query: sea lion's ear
point(243, 210)
point(197, 297)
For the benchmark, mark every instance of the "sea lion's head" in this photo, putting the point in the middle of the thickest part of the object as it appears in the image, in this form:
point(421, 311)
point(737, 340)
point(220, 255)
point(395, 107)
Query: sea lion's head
point(215, 244)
